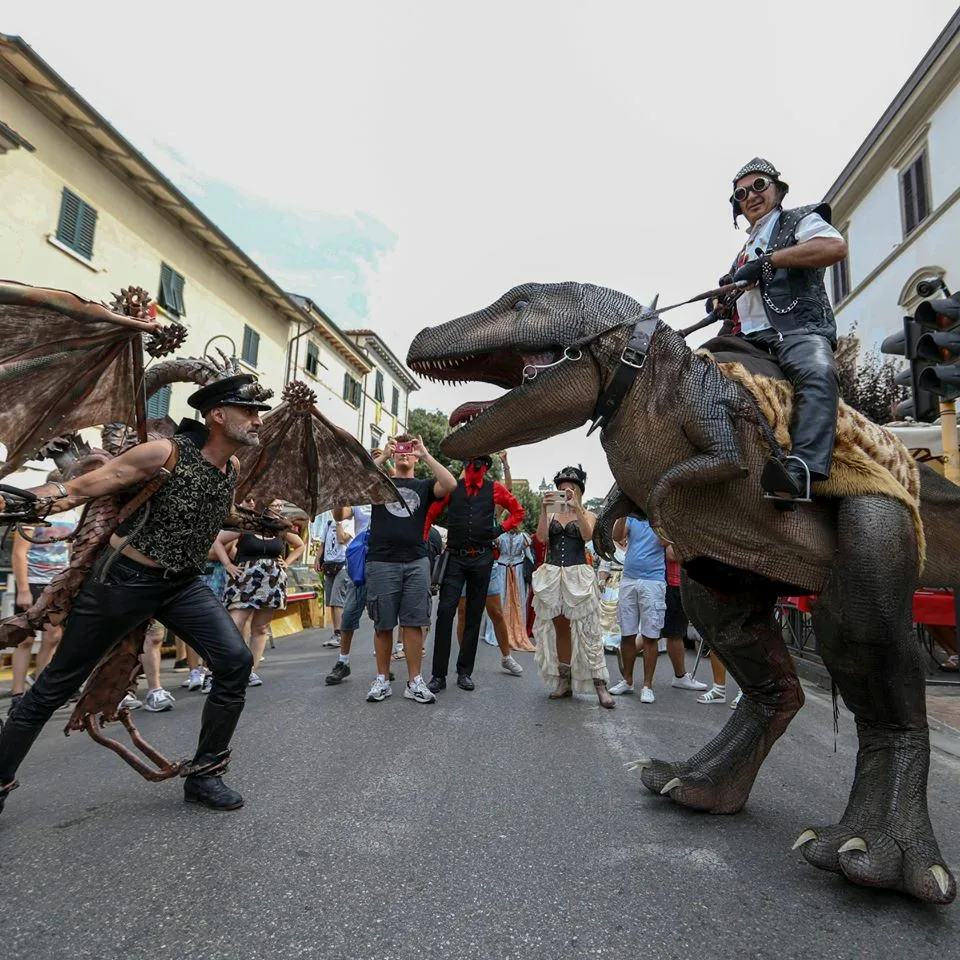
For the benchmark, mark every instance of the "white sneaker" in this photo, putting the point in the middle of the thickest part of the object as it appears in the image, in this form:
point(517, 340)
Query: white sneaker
point(255, 680)
point(332, 641)
point(686, 682)
point(381, 690)
point(417, 690)
point(511, 665)
point(736, 700)
point(130, 702)
point(646, 695)
point(207, 684)
point(195, 680)
point(159, 700)
point(714, 695)
point(621, 688)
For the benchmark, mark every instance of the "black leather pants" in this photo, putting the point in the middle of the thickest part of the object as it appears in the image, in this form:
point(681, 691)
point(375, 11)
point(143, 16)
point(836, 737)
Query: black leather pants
point(807, 361)
point(475, 573)
point(102, 614)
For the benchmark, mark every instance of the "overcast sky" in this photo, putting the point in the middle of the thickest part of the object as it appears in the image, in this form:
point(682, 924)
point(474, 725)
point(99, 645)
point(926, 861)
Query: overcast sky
point(403, 163)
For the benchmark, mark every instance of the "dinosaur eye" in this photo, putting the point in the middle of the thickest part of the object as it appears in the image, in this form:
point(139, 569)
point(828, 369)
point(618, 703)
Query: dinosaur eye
point(520, 305)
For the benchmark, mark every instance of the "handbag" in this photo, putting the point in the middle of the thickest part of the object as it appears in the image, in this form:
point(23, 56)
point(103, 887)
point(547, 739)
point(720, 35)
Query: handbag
point(357, 558)
point(333, 568)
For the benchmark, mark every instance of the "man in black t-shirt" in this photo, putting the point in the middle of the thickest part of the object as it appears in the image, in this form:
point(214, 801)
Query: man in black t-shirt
point(398, 572)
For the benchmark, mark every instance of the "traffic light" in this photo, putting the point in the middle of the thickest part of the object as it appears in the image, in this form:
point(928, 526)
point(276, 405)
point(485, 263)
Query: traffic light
point(938, 349)
point(922, 404)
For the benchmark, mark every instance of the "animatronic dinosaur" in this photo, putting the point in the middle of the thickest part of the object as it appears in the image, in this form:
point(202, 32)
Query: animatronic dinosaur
point(66, 363)
point(686, 445)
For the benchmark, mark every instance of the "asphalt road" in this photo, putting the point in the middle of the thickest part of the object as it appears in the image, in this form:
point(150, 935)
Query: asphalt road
point(495, 824)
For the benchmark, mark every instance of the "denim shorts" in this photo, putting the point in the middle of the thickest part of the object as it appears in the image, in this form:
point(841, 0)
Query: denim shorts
point(398, 593)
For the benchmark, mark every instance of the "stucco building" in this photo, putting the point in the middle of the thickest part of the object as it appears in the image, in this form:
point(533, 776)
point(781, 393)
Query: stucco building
point(896, 200)
point(82, 209)
point(385, 398)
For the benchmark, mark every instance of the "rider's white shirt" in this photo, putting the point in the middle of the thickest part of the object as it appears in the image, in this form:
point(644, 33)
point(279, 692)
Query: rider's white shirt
point(753, 317)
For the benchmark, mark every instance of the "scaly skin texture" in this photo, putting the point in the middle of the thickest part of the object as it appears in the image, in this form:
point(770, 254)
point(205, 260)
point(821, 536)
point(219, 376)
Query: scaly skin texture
point(686, 447)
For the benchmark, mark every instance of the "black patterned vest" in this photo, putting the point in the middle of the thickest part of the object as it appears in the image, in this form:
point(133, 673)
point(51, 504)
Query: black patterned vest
point(187, 513)
point(470, 519)
point(797, 299)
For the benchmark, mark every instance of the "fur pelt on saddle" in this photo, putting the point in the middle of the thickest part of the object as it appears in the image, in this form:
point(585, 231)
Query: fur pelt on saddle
point(867, 459)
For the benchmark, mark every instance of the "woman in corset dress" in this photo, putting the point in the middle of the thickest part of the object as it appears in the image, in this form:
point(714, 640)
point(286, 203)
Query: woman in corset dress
point(565, 597)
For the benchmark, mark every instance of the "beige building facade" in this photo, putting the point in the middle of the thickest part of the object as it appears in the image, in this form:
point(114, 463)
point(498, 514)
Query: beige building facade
point(81, 209)
point(385, 397)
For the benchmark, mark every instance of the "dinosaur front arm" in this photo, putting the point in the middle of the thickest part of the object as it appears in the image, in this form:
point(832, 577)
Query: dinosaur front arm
point(616, 505)
point(717, 460)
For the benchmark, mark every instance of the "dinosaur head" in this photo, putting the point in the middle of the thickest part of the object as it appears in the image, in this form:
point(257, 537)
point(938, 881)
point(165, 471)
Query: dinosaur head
point(526, 342)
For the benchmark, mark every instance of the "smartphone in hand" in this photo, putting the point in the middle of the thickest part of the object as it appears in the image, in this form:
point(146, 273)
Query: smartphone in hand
point(403, 448)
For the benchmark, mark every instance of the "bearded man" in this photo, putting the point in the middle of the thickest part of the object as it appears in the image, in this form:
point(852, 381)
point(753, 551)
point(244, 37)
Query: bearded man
point(152, 570)
point(786, 312)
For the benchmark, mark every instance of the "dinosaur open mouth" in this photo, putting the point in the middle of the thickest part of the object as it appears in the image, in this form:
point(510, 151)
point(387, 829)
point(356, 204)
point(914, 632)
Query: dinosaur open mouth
point(503, 368)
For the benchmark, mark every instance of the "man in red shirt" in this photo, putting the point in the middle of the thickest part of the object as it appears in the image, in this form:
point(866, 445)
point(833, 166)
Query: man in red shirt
point(472, 528)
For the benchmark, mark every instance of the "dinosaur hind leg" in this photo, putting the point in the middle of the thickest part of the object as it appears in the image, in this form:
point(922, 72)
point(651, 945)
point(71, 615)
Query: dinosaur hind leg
point(742, 631)
point(864, 624)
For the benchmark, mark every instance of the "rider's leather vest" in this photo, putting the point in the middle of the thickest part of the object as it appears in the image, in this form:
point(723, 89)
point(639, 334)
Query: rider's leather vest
point(797, 298)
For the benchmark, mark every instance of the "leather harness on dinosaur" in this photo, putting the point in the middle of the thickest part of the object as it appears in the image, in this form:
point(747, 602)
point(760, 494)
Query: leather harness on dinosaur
point(868, 458)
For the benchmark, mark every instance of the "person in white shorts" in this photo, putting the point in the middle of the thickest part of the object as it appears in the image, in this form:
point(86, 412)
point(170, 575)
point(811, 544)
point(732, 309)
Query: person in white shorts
point(641, 609)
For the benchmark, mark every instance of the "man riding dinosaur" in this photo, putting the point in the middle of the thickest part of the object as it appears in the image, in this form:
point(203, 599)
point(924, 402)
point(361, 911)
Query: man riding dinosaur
point(786, 313)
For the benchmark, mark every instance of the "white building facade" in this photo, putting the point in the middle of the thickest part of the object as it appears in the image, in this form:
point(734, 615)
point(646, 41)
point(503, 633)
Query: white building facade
point(385, 397)
point(896, 201)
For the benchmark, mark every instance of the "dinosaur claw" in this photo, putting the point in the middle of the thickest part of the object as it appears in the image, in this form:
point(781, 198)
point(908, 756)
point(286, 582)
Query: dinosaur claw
point(640, 764)
point(854, 843)
point(667, 787)
point(942, 878)
point(804, 837)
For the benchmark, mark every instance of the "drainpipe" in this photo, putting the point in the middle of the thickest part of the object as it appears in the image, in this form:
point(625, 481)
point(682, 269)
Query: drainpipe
point(291, 374)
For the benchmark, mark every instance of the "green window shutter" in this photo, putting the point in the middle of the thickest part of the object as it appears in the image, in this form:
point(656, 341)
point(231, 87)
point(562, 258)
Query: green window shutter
point(378, 388)
point(77, 224)
point(178, 282)
point(159, 404)
point(357, 393)
point(395, 402)
point(313, 357)
point(166, 288)
point(251, 346)
point(347, 393)
point(86, 227)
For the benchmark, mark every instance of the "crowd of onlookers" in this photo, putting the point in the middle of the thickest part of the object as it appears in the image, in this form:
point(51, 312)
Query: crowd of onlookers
point(544, 592)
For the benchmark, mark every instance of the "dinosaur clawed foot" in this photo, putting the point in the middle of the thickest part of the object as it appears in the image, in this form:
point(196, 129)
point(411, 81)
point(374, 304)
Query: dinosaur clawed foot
point(719, 778)
point(871, 857)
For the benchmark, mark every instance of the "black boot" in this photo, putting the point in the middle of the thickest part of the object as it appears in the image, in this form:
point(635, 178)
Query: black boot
point(786, 480)
point(204, 783)
point(16, 739)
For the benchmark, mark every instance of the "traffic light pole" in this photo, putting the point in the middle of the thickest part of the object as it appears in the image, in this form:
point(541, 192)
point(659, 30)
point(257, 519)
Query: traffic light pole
point(948, 432)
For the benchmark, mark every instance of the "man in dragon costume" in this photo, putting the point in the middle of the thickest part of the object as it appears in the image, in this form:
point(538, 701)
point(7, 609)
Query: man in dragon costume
point(152, 512)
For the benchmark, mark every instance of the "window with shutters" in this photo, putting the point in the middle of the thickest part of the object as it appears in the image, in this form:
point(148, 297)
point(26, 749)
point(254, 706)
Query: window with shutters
point(378, 388)
point(840, 275)
point(313, 358)
point(915, 193)
point(376, 438)
point(250, 350)
point(77, 224)
point(395, 402)
point(159, 404)
point(171, 291)
point(352, 390)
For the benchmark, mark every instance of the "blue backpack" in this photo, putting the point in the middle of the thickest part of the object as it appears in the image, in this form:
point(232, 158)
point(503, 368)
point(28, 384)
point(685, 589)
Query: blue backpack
point(357, 558)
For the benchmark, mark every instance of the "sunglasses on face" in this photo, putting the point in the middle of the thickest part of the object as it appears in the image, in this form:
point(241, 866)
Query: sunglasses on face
point(758, 186)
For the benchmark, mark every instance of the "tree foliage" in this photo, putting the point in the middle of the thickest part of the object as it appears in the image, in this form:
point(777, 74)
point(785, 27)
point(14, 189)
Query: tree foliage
point(433, 426)
point(867, 380)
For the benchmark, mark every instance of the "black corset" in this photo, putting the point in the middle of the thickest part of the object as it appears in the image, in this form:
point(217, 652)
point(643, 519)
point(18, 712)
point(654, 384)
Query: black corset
point(567, 548)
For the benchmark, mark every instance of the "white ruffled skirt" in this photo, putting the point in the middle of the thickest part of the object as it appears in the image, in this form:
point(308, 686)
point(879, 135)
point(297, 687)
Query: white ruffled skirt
point(569, 592)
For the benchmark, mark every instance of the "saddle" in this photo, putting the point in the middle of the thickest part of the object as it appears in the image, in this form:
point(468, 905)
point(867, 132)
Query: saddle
point(867, 458)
